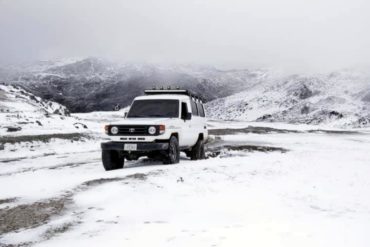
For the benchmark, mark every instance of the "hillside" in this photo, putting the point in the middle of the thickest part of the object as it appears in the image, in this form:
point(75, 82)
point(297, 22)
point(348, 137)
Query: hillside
point(341, 99)
point(22, 113)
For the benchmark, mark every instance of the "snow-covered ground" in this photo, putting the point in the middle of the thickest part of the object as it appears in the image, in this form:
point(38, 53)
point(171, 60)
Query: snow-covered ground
point(264, 185)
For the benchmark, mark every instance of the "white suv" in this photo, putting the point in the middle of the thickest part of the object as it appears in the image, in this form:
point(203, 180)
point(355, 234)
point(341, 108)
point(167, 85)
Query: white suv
point(158, 125)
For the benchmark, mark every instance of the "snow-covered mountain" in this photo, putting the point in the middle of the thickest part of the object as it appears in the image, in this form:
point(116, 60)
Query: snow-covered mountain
point(15, 99)
point(341, 98)
point(94, 84)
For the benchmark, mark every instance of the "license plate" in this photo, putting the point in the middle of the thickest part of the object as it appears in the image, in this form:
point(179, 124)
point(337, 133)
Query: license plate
point(130, 147)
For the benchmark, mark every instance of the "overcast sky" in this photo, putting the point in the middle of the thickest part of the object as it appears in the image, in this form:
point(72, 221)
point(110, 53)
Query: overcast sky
point(315, 35)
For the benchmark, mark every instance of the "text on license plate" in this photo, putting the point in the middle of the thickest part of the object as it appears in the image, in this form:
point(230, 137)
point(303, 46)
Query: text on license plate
point(130, 147)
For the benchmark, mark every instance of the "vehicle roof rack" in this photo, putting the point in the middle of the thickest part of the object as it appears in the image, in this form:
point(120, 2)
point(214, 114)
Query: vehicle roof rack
point(162, 90)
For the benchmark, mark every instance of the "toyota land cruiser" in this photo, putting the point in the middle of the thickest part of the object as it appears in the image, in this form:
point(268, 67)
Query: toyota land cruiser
point(158, 125)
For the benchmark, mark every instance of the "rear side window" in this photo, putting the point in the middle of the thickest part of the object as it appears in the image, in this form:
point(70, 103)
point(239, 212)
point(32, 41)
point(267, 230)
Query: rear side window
point(200, 109)
point(184, 110)
point(194, 108)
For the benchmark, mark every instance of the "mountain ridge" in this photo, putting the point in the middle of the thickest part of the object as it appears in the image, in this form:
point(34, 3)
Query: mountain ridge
point(93, 84)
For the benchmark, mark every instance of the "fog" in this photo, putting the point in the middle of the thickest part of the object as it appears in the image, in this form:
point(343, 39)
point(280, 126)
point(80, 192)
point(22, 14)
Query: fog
point(295, 35)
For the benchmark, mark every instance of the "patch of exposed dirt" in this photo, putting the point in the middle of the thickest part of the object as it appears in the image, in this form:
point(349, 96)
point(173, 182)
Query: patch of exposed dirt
point(100, 181)
point(33, 169)
point(26, 157)
point(53, 231)
point(268, 130)
point(27, 216)
point(17, 245)
point(42, 138)
point(218, 150)
point(335, 132)
point(138, 176)
point(250, 148)
point(249, 129)
point(8, 200)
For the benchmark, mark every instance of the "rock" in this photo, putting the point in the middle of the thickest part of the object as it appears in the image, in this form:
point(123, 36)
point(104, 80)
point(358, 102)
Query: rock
point(336, 114)
point(13, 129)
point(364, 121)
point(366, 98)
point(305, 109)
point(78, 125)
point(265, 117)
point(304, 92)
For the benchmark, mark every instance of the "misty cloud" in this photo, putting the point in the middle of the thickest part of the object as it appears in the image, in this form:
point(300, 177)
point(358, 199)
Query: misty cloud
point(294, 35)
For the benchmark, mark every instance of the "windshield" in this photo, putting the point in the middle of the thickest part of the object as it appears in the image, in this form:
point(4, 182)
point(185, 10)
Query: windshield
point(154, 108)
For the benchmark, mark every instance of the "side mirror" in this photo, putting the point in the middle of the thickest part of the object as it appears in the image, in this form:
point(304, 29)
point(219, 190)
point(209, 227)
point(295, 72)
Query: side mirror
point(117, 107)
point(188, 116)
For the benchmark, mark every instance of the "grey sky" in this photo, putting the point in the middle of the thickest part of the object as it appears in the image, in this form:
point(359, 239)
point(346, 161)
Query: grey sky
point(315, 35)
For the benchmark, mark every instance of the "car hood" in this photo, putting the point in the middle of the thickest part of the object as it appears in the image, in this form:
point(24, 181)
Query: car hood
point(143, 121)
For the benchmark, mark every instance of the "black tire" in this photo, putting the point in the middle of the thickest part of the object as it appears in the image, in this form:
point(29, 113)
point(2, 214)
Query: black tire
point(198, 152)
point(112, 160)
point(173, 153)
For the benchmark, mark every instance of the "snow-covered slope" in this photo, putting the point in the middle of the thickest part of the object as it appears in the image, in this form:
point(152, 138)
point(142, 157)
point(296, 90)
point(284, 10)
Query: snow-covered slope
point(341, 99)
point(16, 99)
point(22, 113)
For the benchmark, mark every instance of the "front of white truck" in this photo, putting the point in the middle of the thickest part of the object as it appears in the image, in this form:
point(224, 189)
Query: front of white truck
point(157, 125)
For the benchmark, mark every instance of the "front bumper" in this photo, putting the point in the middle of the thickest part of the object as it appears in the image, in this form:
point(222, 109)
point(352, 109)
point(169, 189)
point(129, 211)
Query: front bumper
point(141, 146)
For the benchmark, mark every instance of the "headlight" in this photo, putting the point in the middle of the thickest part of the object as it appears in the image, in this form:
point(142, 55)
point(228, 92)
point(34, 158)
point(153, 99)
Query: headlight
point(114, 130)
point(152, 130)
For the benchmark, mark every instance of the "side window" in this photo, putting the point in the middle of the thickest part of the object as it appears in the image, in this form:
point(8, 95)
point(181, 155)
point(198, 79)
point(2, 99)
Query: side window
point(194, 108)
point(184, 110)
point(200, 109)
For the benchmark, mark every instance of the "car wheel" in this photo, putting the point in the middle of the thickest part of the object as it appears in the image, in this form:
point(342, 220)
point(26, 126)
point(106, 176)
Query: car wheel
point(112, 160)
point(198, 152)
point(173, 153)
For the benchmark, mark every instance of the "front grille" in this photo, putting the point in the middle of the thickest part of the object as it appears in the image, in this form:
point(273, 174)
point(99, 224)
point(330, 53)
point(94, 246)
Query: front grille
point(133, 130)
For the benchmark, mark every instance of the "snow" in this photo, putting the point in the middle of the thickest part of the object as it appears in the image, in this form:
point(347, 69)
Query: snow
point(19, 108)
point(334, 100)
point(313, 191)
point(315, 194)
